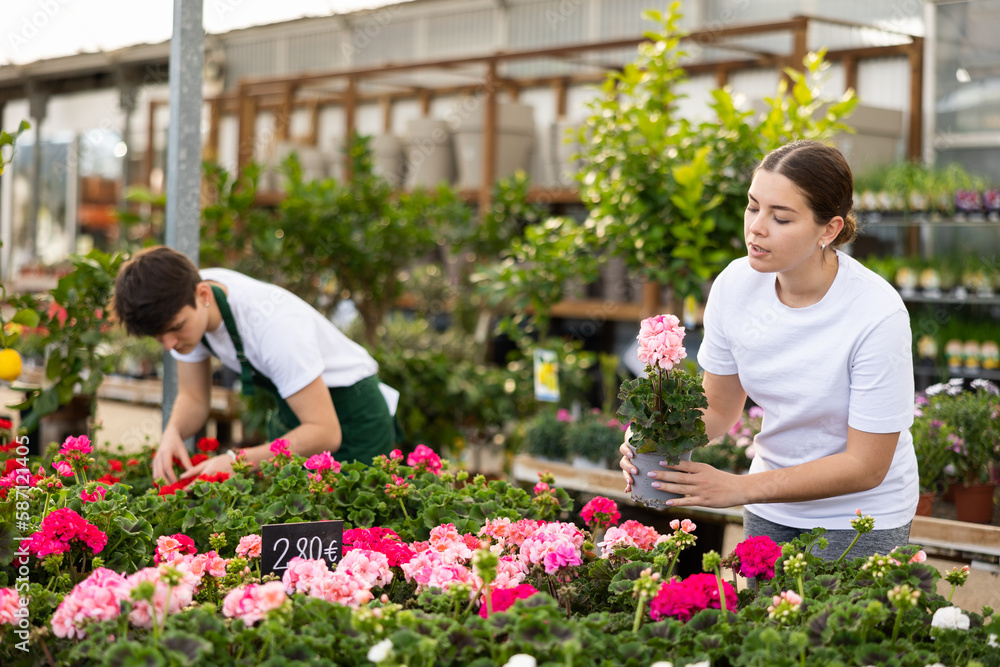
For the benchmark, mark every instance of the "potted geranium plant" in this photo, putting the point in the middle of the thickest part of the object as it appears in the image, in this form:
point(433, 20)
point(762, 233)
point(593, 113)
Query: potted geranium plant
point(972, 441)
point(663, 408)
point(593, 439)
point(930, 443)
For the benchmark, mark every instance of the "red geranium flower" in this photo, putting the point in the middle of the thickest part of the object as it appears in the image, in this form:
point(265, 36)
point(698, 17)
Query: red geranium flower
point(208, 445)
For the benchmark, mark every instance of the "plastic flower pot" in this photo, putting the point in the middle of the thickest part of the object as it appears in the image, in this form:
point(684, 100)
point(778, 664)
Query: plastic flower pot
point(925, 501)
point(974, 502)
point(643, 491)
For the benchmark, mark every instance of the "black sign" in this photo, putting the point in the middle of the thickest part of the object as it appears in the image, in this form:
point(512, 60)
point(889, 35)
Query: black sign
point(317, 540)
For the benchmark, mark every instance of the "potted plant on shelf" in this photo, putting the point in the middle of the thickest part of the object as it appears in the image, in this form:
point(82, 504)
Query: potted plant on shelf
point(930, 443)
point(593, 440)
point(663, 409)
point(971, 423)
point(545, 435)
point(74, 321)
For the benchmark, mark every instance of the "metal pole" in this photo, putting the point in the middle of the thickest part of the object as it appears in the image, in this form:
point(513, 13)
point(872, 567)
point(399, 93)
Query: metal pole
point(187, 60)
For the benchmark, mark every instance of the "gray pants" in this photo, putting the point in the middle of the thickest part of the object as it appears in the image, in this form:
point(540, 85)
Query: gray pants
point(877, 541)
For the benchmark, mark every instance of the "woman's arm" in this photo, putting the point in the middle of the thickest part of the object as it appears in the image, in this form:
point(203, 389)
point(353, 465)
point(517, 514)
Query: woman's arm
point(861, 467)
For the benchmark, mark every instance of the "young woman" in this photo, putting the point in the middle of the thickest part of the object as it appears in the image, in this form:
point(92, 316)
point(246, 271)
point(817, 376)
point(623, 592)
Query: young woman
point(325, 386)
point(822, 344)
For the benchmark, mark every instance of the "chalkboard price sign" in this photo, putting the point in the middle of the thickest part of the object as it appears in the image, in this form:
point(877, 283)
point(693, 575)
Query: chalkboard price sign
point(281, 542)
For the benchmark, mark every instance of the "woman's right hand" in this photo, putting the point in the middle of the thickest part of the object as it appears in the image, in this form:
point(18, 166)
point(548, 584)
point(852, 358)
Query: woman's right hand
point(171, 447)
point(626, 465)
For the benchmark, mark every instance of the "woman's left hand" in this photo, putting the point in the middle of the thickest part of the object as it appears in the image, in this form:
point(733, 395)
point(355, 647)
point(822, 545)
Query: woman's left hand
point(700, 484)
point(213, 465)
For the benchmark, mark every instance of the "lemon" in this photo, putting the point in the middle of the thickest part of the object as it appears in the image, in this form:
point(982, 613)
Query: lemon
point(10, 365)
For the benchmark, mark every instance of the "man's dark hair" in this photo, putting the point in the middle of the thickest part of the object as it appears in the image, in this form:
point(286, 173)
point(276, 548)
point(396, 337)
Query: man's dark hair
point(152, 287)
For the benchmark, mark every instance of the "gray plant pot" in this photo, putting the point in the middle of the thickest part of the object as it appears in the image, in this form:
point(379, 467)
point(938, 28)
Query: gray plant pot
point(643, 492)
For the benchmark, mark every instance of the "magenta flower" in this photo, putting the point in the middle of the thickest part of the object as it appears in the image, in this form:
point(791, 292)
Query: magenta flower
point(76, 446)
point(98, 494)
point(600, 512)
point(323, 461)
point(280, 448)
point(503, 598)
point(63, 468)
point(424, 459)
point(756, 556)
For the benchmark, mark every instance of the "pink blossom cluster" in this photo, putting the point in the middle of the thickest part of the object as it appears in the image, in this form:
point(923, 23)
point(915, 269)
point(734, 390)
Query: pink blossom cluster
point(279, 448)
point(370, 567)
point(344, 586)
point(600, 512)
point(177, 597)
point(630, 534)
point(18, 476)
point(99, 597)
point(457, 547)
point(169, 547)
point(63, 528)
point(76, 447)
point(660, 341)
point(755, 557)
point(683, 599)
point(251, 603)
point(95, 495)
point(96, 598)
point(321, 462)
point(553, 546)
point(424, 459)
point(249, 546)
point(507, 534)
point(10, 604)
point(503, 598)
point(433, 569)
point(383, 540)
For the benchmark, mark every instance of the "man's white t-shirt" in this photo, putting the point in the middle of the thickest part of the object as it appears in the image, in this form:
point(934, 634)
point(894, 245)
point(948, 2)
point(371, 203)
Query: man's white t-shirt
point(843, 361)
point(284, 338)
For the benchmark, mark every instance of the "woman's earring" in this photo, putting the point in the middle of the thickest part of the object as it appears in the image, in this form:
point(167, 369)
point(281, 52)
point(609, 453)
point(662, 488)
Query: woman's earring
point(822, 246)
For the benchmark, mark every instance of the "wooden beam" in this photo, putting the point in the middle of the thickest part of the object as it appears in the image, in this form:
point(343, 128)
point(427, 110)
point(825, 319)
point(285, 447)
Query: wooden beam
point(850, 65)
point(489, 139)
point(561, 89)
point(425, 103)
point(147, 159)
point(350, 108)
point(914, 144)
point(385, 105)
point(283, 116)
point(313, 137)
point(721, 76)
point(211, 152)
point(247, 130)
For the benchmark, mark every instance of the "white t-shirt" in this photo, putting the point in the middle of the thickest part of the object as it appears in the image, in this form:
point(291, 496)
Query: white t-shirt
point(845, 360)
point(284, 338)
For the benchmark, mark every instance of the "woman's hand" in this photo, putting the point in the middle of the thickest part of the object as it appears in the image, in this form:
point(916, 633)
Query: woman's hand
point(626, 465)
point(211, 466)
point(171, 447)
point(700, 484)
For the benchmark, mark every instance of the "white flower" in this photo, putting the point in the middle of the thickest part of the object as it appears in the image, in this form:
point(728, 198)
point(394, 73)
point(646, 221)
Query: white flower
point(380, 651)
point(662, 663)
point(703, 663)
point(993, 641)
point(936, 664)
point(934, 389)
point(521, 660)
point(950, 618)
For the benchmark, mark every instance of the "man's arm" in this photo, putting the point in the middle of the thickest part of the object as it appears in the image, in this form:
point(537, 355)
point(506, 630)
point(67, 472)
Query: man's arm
point(188, 415)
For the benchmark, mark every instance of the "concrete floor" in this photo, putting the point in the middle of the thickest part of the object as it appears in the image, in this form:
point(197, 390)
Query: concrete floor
point(132, 426)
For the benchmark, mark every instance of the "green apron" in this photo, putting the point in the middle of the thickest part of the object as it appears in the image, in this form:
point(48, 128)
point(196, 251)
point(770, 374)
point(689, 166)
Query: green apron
point(365, 423)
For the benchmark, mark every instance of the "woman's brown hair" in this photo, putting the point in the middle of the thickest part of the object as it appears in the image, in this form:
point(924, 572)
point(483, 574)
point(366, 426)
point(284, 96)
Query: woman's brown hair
point(823, 176)
point(152, 287)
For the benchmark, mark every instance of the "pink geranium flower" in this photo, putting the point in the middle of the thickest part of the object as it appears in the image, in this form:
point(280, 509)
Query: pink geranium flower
point(249, 546)
point(661, 341)
point(755, 557)
point(302, 574)
point(684, 599)
point(600, 512)
point(62, 529)
point(63, 468)
point(503, 598)
point(76, 446)
point(424, 459)
point(323, 461)
point(169, 546)
point(251, 603)
point(10, 605)
point(98, 494)
point(96, 598)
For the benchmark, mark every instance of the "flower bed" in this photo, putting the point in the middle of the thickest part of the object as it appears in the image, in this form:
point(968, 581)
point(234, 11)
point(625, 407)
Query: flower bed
point(438, 569)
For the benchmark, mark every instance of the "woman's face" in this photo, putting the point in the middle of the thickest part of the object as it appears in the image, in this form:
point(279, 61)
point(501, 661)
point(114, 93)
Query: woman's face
point(779, 228)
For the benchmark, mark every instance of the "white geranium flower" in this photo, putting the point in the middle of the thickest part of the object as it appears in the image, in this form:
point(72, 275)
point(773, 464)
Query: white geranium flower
point(950, 618)
point(703, 663)
point(380, 651)
point(993, 641)
point(662, 663)
point(521, 660)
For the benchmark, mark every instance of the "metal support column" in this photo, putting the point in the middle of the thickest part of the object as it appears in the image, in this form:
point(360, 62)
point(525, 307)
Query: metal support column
point(187, 60)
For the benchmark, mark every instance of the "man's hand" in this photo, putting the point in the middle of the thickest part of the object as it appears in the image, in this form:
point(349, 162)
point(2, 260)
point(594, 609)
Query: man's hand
point(171, 447)
point(213, 465)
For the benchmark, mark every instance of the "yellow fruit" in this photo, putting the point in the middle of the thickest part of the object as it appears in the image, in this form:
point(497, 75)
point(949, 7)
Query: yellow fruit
point(10, 365)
